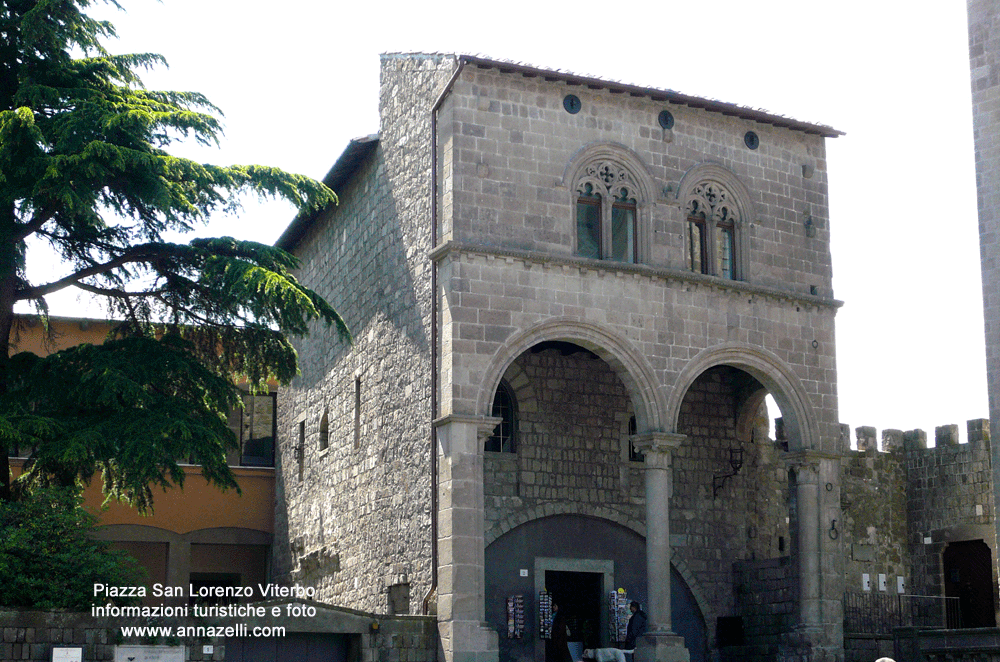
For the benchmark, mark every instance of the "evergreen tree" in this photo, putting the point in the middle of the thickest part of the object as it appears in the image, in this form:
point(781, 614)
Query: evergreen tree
point(49, 557)
point(84, 170)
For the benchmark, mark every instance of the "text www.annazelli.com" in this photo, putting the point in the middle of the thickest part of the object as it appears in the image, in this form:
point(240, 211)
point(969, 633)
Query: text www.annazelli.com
point(238, 630)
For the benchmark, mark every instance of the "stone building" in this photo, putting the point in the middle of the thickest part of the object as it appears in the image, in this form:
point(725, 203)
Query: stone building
point(984, 51)
point(569, 298)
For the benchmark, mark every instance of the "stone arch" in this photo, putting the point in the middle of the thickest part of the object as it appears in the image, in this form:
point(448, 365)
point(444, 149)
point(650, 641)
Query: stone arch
point(629, 364)
point(616, 153)
point(541, 511)
point(708, 171)
point(769, 370)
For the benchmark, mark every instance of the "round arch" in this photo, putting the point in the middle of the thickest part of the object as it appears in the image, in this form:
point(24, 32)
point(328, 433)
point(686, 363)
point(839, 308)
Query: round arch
point(615, 152)
point(630, 366)
point(717, 173)
point(769, 370)
point(605, 520)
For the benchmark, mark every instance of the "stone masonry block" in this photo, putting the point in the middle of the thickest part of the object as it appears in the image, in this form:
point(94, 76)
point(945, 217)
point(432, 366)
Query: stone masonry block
point(978, 430)
point(867, 438)
point(915, 440)
point(946, 435)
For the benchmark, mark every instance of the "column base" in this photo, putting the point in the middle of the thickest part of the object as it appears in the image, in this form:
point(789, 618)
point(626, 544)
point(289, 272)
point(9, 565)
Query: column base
point(468, 641)
point(661, 647)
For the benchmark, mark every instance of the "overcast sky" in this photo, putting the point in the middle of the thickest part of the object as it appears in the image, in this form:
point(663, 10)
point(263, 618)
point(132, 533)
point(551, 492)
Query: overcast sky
point(297, 79)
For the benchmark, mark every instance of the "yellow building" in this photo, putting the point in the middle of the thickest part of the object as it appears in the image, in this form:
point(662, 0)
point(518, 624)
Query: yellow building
point(197, 535)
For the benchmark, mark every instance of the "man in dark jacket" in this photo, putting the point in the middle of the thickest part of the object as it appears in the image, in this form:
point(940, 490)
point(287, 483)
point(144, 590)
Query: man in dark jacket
point(636, 625)
point(557, 648)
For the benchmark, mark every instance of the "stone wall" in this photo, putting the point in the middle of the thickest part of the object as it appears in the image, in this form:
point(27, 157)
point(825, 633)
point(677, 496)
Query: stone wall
point(31, 635)
point(508, 263)
point(748, 518)
point(903, 504)
point(513, 142)
point(950, 499)
point(354, 519)
point(874, 505)
point(572, 444)
point(984, 49)
point(765, 600)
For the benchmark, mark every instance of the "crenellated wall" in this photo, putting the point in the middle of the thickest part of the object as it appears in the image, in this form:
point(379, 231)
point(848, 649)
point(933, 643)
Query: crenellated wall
point(904, 500)
point(903, 503)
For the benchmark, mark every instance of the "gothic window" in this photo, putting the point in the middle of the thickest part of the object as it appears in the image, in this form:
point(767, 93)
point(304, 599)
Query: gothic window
point(503, 439)
point(713, 221)
point(606, 213)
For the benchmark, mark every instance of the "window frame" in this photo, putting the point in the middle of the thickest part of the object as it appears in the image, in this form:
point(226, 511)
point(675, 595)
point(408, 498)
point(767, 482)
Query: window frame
point(717, 212)
point(612, 187)
point(508, 444)
point(237, 424)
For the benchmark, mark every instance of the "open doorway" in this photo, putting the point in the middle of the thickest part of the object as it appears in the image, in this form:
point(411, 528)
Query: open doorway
point(968, 576)
point(578, 595)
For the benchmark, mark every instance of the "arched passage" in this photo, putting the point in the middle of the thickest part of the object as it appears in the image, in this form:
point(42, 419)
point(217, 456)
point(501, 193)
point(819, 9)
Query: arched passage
point(570, 555)
point(770, 371)
point(735, 515)
point(629, 365)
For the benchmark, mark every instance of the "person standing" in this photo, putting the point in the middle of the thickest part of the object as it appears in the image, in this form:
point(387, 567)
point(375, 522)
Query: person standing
point(557, 648)
point(636, 625)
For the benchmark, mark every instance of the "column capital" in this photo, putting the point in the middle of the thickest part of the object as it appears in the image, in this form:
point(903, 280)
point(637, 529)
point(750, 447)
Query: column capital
point(806, 464)
point(484, 426)
point(657, 447)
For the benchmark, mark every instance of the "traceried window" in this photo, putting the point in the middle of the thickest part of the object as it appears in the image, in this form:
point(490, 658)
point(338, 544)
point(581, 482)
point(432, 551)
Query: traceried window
point(504, 437)
point(606, 213)
point(713, 221)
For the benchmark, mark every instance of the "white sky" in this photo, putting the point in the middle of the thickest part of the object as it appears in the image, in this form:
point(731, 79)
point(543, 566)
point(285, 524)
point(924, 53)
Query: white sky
point(297, 79)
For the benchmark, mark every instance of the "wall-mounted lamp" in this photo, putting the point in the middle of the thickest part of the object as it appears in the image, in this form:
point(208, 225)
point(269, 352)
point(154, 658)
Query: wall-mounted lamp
point(736, 462)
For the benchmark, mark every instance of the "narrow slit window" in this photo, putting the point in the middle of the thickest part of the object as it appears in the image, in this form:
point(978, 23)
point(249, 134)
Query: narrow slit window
point(357, 412)
point(300, 450)
point(324, 432)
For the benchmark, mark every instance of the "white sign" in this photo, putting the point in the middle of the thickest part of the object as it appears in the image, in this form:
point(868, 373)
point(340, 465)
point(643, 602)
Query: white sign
point(67, 654)
point(149, 653)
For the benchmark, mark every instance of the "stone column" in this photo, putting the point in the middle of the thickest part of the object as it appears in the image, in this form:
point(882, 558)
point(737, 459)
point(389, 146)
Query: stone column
point(465, 637)
point(818, 557)
point(660, 643)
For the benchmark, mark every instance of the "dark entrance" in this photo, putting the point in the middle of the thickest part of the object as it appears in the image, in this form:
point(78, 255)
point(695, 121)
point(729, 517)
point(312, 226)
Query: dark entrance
point(968, 576)
point(578, 595)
